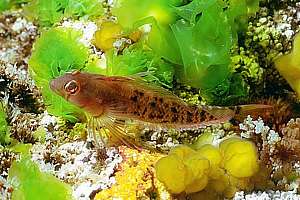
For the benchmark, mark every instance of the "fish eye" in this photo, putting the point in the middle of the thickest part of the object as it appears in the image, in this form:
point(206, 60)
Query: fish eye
point(72, 87)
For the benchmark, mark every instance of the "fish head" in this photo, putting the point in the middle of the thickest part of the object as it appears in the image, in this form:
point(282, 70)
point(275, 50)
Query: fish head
point(77, 88)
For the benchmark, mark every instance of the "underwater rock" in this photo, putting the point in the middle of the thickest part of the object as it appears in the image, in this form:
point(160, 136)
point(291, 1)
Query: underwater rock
point(267, 195)
point(278, 151)
point(16, 38)
point(5, 189)
point(290, 142)
point(18, 89)
point(6, 158)
point(23, 126)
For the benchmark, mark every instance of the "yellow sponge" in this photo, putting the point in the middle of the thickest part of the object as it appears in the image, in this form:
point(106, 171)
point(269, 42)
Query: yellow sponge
point(197, 167)
point(210, 152)
point(171, 171)
point(182, 151)
point(219, 170)
point(183, 170)
point(105, 37)
point(289, 66)
point(239, 157)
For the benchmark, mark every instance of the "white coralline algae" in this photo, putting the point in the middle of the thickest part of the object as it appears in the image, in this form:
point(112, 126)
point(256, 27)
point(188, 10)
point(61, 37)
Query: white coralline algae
point(250, 127)
point(5, 189)
point(267, 195)
point(87, 29)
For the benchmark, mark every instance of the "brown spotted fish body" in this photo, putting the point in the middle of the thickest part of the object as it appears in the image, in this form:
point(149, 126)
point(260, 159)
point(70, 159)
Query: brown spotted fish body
point(117, 99)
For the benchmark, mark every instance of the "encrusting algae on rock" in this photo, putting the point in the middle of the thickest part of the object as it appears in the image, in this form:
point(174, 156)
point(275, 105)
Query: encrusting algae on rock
point(135, 178)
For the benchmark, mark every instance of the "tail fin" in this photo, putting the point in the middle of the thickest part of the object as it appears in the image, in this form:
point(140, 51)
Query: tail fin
point(239, 113)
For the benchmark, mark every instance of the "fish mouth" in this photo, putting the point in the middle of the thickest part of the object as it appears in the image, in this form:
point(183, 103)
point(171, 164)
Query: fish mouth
point(53, 86)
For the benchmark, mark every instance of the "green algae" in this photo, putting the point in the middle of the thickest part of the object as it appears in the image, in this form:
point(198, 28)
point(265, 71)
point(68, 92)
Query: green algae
point(4, 128)
point(130, 12)
point(4, 5)
point(23, 149)
point(31, 183)
point(45, 13)
point(8, 4)
point(78, 131)
point(196, 37)
point(39, 134)
point(139, 59)
point(83, 8)
point(232, 90)
point(56, 52)
point(204, 45)
point(49, 12)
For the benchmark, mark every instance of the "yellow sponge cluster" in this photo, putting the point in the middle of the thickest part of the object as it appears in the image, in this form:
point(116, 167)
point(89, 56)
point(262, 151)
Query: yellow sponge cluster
point(105, 37)
point(222, 170)
point(109, 32)
point(289, 66)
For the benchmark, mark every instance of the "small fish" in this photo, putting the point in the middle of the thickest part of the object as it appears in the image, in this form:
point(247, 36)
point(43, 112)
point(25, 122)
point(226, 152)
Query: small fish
point(113, 100)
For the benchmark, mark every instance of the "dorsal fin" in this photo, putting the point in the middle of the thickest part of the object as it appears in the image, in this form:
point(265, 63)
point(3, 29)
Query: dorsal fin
point(138, 83)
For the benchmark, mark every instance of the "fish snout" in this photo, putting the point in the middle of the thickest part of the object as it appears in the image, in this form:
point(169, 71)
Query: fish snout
point(52, 85)
point(55, 86)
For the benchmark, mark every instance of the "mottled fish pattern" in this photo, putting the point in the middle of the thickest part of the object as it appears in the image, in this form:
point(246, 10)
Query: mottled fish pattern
point(114, 98)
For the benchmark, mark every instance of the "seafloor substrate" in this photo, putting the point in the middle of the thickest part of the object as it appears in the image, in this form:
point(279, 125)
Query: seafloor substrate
point(60, 148)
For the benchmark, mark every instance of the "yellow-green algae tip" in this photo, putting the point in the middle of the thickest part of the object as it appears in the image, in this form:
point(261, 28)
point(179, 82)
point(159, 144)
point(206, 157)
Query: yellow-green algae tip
point(107, 34)
point(136, 178)
point(289, 66)
point(219, 170)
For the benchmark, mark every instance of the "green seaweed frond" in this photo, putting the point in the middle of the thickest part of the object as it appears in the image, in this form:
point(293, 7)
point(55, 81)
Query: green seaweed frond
point(204, 44)
point(56, 52)
point(4, 5)
point(30, 183)
point(233, 90)
point(8, 4)
point(195, 36)
point(49, 12)
point(139, 59)
point(84, 8)
point(4, 128)
point(44, 12)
